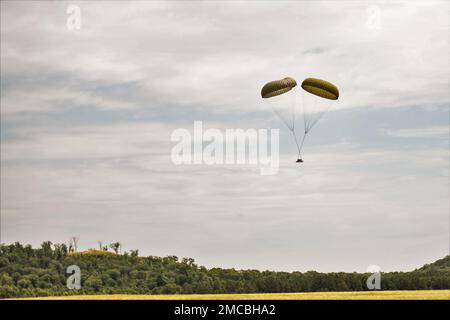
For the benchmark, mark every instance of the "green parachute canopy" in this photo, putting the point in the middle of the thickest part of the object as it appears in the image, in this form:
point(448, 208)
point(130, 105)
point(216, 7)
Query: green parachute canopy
point(321, 88)
point(317, 98)
point(277, 87)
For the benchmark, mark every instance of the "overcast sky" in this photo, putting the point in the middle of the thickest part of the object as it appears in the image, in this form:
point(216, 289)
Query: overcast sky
point(87, 115)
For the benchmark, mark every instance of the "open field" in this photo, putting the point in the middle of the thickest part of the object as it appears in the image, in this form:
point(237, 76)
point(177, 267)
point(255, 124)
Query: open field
point(363, 295)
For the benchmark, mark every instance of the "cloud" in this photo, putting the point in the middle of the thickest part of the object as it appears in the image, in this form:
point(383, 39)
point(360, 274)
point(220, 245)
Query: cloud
point(344, 201)
point(426, 132)
point(218, 63)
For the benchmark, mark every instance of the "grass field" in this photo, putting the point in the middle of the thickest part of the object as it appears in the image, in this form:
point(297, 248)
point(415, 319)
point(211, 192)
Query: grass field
point(364, 295)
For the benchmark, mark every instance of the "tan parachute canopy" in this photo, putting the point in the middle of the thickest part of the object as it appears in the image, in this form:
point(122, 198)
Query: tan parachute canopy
point(321, 88)
point(277, 87)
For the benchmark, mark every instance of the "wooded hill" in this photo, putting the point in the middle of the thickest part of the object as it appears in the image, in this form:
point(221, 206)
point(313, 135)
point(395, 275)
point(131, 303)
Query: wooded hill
point(26, 272)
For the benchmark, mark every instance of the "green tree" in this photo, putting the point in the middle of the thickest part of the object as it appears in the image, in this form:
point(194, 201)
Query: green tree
point(115, 246)
point(93, 283)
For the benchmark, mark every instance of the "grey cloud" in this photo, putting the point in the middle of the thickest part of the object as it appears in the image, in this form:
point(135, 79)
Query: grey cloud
point(216, 55)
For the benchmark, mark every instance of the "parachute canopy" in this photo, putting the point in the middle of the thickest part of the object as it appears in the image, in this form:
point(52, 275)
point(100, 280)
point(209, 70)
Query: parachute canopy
point(320, 88)
point(277, 87)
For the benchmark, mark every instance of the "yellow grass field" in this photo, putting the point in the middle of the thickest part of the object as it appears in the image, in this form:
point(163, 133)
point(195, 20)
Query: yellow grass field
point(363, 295)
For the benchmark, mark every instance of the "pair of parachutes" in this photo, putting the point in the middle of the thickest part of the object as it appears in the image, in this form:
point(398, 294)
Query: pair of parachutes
point(317, 97)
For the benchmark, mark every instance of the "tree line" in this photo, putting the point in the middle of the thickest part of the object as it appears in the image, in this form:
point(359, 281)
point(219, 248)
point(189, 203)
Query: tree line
point(28, 272)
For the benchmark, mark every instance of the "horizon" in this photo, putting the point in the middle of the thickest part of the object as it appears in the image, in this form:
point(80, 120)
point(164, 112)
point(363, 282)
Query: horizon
point(199, 264)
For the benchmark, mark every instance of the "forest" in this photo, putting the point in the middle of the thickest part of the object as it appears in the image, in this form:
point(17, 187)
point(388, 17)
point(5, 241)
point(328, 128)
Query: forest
point(34, 272)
